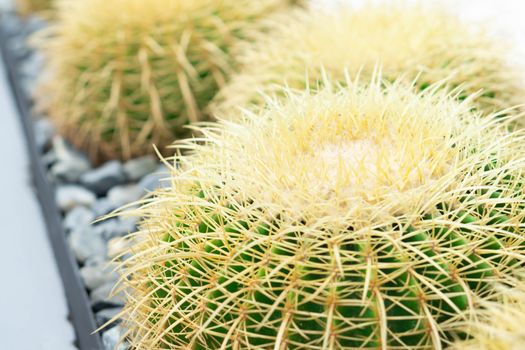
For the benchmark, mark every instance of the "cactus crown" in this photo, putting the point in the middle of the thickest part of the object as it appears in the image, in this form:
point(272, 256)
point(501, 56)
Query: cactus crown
point(406, 40)
point(358, 217)
point(126, 74)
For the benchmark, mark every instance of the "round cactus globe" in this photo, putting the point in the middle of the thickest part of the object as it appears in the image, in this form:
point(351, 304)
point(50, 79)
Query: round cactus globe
point(123, 75)
point(356, 217)
point(422, 43)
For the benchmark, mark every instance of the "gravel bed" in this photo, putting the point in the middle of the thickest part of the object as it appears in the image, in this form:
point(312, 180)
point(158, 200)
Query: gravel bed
point(85, 192)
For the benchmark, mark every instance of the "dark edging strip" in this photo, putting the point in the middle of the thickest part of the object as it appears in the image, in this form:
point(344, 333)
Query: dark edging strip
point(81, 314)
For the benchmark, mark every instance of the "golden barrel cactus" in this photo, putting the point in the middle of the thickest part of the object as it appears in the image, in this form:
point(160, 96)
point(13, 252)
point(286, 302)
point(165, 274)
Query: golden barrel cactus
point(356, 217)
point(125, 74)
point(416, 42)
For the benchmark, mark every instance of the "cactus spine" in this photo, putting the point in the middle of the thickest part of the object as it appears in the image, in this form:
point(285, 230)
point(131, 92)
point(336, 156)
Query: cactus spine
point(497, 324)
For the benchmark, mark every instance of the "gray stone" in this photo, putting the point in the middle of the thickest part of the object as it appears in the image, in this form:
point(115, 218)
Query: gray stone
point(155, 180)
point(118, 247)
point(116, 227)
point(95, 260)
point(96, 275)
point(27, 84)
point(100, 180)
point(10, 24)
point(78, 217)
point(69, 172)
point(86, 244)
point(103, 206)
point(71, 196)
point(34, 23)
point(137, 168)
point(106, 315)
point(18, 47)
point(70, 164)
point(105, 294)
point(126, 194)
point(49, 158)
point(44, 131)
point(129, 221)
point(112, 339)
point(31, 68)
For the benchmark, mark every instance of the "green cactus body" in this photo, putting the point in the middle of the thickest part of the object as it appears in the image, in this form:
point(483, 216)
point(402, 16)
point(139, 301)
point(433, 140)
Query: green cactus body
point(421, 43)
point(126, 74)
point(368, 217)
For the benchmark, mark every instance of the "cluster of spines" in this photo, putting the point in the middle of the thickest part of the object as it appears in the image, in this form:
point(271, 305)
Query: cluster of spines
point(225, 261)
point(496, 323)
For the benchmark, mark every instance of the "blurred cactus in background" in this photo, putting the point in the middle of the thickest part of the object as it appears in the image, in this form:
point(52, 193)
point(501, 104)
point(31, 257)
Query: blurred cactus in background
point(125, 74)
point(356, 217)
point(26, 7)
point(404, 40)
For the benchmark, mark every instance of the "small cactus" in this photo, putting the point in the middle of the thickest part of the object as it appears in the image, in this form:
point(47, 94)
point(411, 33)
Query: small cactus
point(126, 74)
point(404, 40)
point(498, 324)
point(356, 217)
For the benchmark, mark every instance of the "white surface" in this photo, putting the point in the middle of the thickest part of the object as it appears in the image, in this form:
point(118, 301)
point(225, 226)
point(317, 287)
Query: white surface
point(32, 301)
point(33, 310)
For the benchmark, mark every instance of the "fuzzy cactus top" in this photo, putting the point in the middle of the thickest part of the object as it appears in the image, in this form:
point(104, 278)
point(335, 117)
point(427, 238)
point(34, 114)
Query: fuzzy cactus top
point(422, 42)
point(357, 217)
point(125, 74)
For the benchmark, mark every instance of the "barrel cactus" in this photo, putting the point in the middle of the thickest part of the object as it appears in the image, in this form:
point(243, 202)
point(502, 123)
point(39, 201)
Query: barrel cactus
point(497, 324)
point(402, 40)
point(126, 74)
point(361, 217)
